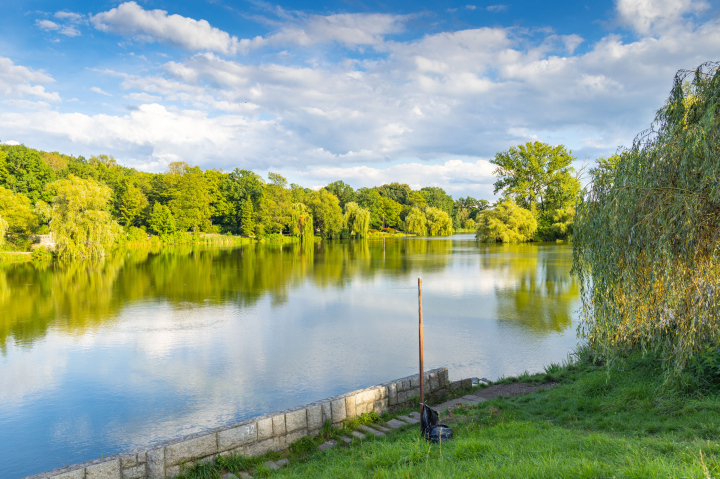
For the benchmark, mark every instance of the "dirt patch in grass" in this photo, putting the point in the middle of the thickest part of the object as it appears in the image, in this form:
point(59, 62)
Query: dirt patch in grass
point(511, 389)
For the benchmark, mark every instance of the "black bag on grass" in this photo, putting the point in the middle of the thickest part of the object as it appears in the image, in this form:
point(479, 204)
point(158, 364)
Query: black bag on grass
point(430, 429)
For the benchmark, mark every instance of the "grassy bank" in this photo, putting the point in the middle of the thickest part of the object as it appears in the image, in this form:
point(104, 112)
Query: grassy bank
point(594, 423)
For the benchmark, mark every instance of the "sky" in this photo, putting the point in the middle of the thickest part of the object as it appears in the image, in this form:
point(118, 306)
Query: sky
point(368, 92)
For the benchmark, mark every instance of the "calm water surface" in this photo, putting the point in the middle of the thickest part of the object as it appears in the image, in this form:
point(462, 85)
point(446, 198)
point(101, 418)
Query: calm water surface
point(150, 345)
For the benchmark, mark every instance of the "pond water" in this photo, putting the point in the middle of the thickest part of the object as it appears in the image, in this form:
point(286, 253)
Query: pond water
point(149, 345)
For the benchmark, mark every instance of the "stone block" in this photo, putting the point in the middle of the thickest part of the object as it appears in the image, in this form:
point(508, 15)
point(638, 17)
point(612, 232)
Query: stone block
point(415, 382)
point(434, 382)
point(392, 394)
point(104, 470)
point(405, 385)
point(128, 460)
point(278, 422)
point(190, 450)
point(135, 472)
point(237, 436)
point(365, 397)
point(380, 406)
point(326, 412)
point(74, 474)
point(172, 471)
point(350, 406)
point(455, 385)
point(296, 420)
point(142, 457)
point(156, 463)
point(364, 408)
point(466, 383)
point(259, 448)
point(264, 428)
point(395, 424)
point(291, 437)
point(339, 411)
point(314, 417)
point(327, 445)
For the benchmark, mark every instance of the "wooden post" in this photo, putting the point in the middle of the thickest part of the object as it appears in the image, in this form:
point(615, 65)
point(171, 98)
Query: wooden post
point(422, 373)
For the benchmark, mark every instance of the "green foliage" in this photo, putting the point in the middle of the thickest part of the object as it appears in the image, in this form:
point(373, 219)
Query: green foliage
point(301, 222)
point(325, 208)
point(247, 225)
point(436, 197)
point(438, 222)
point(563, 222)
point(26, 172)
point(130, 202)
point(398, 192)
point(357, 219)
point(42, 255)
point(162, 220)
point(646, 239)
point(537, 175)
point(189, 198)
point(3, 229)
point(343, 191)
point(81, 224)
point(506, 223)
point(370, 199)
point(17, 211)
point(415, 222)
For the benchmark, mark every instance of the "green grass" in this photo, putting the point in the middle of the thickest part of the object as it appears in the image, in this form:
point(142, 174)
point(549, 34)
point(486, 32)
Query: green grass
point(622, 422)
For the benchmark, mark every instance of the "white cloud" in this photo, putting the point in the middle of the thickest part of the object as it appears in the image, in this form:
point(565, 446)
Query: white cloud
point(131, 20)
point(646, 15)
point(349, 29)
point(47, 25)
point(69, 16)
point(496, 8)
point(19, 82)
point(100, 91)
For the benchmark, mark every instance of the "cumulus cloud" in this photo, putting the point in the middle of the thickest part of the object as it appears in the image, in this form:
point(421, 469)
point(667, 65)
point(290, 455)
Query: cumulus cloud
point(100, 91)
point(50, 26)
point(646, 15)
point(350, 29)
point(19, 82)
point(131, 20)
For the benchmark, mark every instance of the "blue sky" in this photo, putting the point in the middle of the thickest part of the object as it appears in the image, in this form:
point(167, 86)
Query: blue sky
point(369, 92)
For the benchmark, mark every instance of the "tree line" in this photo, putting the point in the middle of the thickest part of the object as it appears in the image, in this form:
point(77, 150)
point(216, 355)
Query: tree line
point(89, 203)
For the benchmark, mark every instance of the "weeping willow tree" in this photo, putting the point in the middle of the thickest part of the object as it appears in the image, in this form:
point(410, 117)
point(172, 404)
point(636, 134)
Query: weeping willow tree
point(357, 219)
point(81, 222)
point(415, 222)
point(301, 223)
point(647, 237)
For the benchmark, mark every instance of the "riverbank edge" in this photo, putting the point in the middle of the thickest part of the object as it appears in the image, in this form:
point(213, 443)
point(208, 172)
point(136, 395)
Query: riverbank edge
point(255, 436)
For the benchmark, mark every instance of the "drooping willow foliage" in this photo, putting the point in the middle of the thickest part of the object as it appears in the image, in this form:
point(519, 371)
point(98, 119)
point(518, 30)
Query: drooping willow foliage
point(647, 237)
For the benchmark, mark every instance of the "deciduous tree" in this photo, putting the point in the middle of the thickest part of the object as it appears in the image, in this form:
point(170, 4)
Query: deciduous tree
point(505, 223)
point(81, 222)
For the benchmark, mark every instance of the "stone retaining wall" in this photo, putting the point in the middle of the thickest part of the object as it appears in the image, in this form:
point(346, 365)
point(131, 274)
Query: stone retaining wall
point(255, 436)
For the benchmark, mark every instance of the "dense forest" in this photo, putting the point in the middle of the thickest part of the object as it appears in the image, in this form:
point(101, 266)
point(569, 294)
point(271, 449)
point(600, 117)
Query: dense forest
point(90, 204)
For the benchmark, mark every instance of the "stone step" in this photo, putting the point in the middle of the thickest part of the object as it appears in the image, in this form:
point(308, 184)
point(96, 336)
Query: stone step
point(415, 415)
point(380, 428)
point(346, 439)
point(245, 475)
point(395, 424)
point(408, 419)
point(357, 435)
point(274, 465)
point(327, 445)
point(372, 431)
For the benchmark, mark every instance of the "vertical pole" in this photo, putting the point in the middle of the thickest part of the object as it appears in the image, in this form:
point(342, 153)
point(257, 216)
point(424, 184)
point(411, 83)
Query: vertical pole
point(422, 373)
